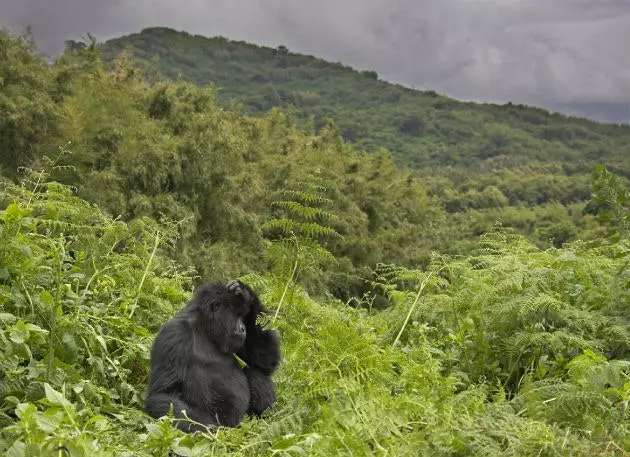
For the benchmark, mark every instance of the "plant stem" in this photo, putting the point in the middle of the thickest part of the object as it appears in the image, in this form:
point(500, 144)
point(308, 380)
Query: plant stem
point(284, 292)
point(146, 271)
point(413, 306)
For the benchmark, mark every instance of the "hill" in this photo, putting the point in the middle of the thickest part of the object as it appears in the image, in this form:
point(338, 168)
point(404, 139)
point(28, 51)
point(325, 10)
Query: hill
point(421, 128)
point(481, 163)
point(151, 150)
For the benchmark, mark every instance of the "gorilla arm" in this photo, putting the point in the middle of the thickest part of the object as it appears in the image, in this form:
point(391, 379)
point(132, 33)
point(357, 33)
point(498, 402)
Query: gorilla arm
point(261, 352)
point(261, 349)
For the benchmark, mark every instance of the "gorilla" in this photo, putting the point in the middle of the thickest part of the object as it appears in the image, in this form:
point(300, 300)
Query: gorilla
point(193, 367)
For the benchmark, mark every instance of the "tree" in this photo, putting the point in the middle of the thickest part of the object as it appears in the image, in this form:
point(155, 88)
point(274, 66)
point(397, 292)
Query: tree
point(28, 112)
point(282, 54)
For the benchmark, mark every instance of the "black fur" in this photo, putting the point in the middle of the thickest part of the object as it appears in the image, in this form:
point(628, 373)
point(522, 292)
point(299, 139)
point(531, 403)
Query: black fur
point(192, 363)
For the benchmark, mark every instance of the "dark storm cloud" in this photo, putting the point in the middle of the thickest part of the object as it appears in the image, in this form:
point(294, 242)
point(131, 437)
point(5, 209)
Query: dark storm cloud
point(565, 54)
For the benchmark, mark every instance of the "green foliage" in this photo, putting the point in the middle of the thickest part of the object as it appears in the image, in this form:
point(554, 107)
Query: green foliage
point(463, 338)
point(484, 162)
point(28, 111)
point(303, 215)
point(170, 152)
point(82, 295)
point(594, 396)
point(511, 311)
point(610, 201)
point(298, 234)
point(435, 128)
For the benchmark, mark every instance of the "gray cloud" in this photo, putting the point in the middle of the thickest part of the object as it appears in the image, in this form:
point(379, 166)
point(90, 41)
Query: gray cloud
point(561, 54)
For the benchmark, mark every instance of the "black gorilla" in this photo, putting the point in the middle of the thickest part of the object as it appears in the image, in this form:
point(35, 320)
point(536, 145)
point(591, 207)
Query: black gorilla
point(193, 365)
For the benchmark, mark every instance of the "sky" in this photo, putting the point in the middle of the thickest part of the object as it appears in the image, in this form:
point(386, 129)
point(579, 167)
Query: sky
point(565, 55)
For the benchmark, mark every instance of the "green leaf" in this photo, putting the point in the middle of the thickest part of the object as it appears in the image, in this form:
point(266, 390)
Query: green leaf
point(49, 421)
point(56, 398)
point(19, 333)
point(183, 451)
point(17, 449)
point(102, 342)
point(13, 213)
point(46, 298)
point(7, 318)
point(24, 410)
point(75, 449)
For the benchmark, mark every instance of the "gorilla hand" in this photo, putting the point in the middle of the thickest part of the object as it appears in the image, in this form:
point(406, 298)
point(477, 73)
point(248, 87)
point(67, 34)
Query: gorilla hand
point(237, 288)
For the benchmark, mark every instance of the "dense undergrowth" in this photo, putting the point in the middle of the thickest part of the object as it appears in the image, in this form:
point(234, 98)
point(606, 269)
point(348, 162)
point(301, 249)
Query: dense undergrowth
point(509, 351)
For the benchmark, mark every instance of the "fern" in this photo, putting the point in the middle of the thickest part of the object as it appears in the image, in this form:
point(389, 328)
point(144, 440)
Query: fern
point(306, 212)
point(342, 388)
point(610, 201)
point(297, 240)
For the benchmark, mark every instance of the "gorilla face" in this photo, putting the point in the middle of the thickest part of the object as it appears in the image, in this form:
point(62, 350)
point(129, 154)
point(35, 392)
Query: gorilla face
point(225, 322)
point(234, 328)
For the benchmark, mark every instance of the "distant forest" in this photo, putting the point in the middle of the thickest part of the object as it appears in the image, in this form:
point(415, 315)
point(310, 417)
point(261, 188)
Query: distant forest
point(422, 128)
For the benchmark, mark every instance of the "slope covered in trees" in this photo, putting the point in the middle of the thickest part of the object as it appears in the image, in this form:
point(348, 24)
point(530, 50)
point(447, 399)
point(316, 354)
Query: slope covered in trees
point(421, 128)
point(482, 163)
point(135, 192)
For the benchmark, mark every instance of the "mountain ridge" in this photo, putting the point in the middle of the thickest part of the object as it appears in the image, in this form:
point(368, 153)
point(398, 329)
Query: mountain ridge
point(421, 127)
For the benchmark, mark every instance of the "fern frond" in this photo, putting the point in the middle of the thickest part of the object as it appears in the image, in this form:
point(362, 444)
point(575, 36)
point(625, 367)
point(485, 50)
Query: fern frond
point(306, 197)
point(285, 226)
point(308, 213)
point(312, 230)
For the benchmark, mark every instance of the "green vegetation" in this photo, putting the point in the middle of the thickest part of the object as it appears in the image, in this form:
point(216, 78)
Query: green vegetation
point(481, 163)
point(422, 128)
point(411, 323)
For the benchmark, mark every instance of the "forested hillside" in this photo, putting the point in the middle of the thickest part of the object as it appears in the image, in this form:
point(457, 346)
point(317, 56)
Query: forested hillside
point(421, 128)
point(481, 163)
point(411, 322)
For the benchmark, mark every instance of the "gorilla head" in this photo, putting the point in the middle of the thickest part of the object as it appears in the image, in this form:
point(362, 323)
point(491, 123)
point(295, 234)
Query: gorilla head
point(223, 316)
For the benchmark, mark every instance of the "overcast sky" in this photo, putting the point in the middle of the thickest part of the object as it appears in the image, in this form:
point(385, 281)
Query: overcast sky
point(561, 54)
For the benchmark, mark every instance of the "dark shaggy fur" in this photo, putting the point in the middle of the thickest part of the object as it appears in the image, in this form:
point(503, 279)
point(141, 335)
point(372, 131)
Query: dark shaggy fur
point(193, 366)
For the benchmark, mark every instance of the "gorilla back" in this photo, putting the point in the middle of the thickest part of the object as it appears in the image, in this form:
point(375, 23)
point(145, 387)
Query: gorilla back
point(193, 368)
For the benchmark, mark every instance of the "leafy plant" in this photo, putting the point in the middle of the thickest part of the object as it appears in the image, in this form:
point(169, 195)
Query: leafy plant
point(610, 201)
point(297, 238)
